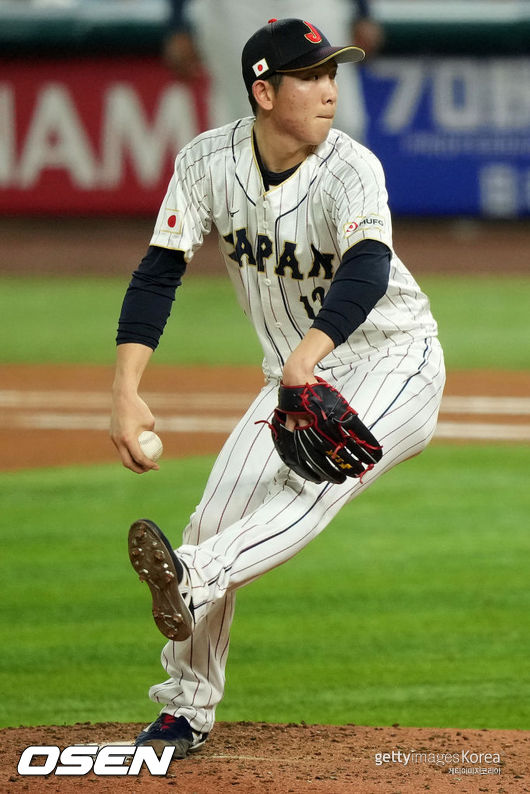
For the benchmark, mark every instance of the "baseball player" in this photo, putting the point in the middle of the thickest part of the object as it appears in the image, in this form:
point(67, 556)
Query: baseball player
point(353, 368)
point(213, 32)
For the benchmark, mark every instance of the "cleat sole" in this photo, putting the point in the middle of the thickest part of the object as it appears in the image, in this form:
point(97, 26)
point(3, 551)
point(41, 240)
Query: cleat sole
point(154, 565)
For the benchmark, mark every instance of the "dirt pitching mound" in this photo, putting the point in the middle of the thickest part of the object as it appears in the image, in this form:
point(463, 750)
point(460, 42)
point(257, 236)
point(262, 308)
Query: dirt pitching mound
point(294, 759)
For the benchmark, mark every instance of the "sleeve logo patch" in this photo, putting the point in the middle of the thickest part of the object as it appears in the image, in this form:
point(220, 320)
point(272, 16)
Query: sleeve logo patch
point(173, 221)
point(363, 224)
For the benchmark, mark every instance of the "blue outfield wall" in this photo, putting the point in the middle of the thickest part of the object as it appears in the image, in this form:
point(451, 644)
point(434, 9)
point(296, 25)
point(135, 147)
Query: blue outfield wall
point(452, 133)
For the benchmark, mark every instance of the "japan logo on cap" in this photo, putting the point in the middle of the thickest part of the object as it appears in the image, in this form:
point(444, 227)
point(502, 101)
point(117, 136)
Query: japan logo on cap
point(260, 67)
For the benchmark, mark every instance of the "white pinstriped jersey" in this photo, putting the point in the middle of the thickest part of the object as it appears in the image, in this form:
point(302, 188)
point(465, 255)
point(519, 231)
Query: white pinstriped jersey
point(283, 246)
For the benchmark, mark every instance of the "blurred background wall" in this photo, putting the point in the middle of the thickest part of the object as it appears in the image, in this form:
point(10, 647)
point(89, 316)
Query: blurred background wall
point(91, 117)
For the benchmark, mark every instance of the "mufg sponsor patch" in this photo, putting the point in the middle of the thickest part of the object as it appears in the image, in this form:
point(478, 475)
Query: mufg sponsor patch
point(364, 224)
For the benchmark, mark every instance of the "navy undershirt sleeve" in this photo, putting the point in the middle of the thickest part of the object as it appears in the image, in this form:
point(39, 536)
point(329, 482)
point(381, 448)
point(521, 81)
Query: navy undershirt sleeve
point(359, 283)
point(149, 297)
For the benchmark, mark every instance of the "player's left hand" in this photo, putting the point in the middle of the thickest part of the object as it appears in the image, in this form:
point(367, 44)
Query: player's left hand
point(328, 442)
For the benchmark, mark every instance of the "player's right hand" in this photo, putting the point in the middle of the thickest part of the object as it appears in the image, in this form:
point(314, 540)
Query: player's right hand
point(130, 417)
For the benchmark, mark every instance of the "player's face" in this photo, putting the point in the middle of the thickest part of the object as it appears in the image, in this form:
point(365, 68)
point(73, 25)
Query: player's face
point(305, 104)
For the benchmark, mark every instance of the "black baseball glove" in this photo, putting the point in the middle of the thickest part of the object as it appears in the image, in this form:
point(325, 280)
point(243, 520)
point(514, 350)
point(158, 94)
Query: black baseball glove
point(334, 445)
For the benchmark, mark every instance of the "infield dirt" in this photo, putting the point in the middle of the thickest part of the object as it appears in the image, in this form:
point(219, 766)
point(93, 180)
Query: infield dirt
point(57, 415)
point(262, 758)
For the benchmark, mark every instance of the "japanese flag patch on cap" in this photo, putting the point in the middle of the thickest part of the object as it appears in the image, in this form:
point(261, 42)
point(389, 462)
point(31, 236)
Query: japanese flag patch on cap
point(260, 67)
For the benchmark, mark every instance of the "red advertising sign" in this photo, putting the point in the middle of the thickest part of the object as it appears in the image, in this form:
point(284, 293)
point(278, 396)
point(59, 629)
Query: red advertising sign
point(92, 135)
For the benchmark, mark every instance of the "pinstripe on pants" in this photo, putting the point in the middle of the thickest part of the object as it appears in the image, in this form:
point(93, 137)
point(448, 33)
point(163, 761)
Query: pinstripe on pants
point(255, 514)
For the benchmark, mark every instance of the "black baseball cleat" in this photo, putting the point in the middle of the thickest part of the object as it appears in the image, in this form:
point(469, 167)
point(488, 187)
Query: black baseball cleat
point(169, 731)
point(156, 563)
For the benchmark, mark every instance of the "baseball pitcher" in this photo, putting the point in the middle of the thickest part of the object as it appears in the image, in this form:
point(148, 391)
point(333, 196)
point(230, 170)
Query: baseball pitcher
point(353, 368)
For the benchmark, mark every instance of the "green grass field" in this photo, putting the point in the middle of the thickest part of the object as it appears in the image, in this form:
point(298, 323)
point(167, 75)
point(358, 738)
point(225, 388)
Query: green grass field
point(411, 607)
point(483, 321)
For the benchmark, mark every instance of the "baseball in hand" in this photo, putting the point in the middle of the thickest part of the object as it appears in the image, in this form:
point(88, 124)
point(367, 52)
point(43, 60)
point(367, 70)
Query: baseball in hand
point(151, 444)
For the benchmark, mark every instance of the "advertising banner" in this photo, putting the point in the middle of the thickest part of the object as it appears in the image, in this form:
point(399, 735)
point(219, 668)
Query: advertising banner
point(98, 135)
point(453, 134)
point(92, 135)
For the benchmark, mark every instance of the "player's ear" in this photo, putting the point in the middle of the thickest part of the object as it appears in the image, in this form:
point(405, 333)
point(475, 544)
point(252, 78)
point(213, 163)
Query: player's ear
point(263, 92)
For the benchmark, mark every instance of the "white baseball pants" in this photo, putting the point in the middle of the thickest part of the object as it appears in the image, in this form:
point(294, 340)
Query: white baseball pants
point(256, 514)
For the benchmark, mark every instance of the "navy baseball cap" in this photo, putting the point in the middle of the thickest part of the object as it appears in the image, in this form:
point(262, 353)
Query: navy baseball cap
point(290, 45)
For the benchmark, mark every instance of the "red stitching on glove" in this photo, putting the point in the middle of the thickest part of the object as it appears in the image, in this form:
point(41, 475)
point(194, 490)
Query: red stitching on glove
point(271, 427)
point(369, 467)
